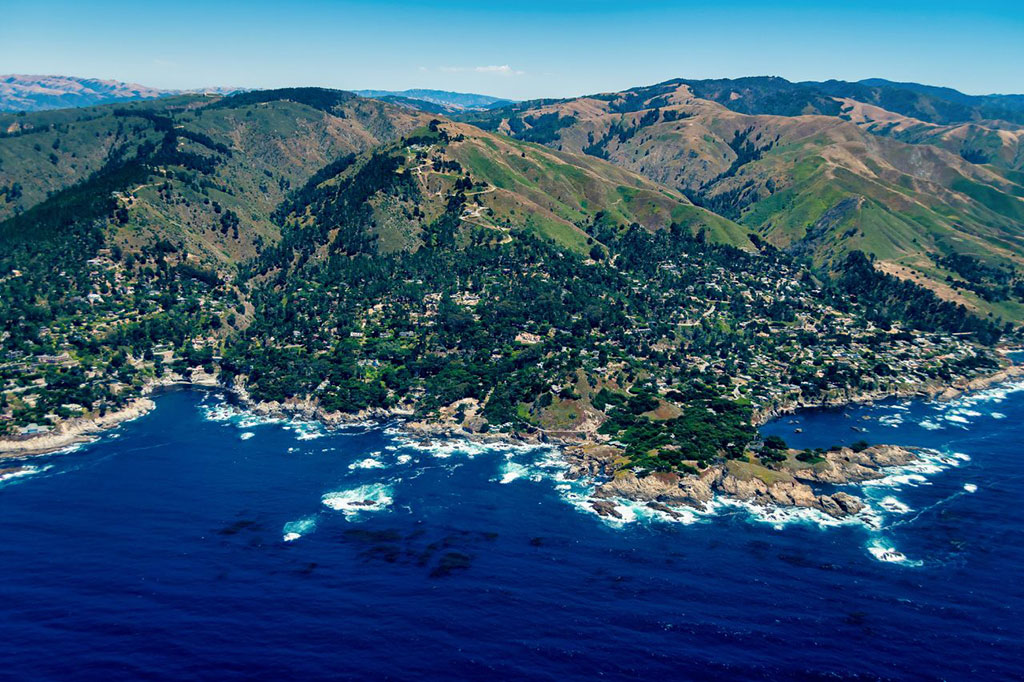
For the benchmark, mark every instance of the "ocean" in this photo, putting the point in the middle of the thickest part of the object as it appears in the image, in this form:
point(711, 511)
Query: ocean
point(199, 542)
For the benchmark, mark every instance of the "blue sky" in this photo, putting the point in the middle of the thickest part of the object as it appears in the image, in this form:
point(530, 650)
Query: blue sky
point(519, 50)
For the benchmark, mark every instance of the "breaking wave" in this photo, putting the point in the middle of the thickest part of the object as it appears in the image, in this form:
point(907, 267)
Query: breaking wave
point(293, 530)
point(355, 501)
point(17, 473)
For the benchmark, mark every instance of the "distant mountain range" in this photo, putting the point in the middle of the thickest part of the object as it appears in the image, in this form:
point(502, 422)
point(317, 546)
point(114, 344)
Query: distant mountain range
point(925, 179)
point(767, 95)
point(437, 101)
point(40, 93)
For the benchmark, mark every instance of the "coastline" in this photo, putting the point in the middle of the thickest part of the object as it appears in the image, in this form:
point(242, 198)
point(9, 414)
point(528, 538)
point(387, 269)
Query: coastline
point(73, 432)
point(940, 392)
point(87, 429)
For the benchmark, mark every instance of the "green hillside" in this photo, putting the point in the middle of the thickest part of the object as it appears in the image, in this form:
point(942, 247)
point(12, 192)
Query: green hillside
point(815, 175)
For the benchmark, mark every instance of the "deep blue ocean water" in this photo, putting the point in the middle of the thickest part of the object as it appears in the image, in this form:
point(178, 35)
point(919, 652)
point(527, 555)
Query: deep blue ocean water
point(160, 552)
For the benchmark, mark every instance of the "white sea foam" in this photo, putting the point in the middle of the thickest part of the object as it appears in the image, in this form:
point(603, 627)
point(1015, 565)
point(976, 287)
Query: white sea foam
point(303, 429)
point(22, 472)
point(230, 414)
point(75, 447)
point(929, 462)
point(870, 517)
point(633, 511)
point(306, 430)
point(995, 394)
point(679, 515)
point(780, 517)
point(246, 435)
point(893, 505)
point(293, 530)
point(368, 463)
point(970, 487)
point(357, 427)
point(448, 447)
point(883, 550)
point(963, 409)
point(893, 420)
point(549, 465)
point(365, 498)
point(510, 471)
point(404, 459)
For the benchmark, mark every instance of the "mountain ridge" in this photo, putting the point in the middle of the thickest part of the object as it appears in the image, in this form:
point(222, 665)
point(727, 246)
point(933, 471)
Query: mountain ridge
point(910, 194)
point(825, 181)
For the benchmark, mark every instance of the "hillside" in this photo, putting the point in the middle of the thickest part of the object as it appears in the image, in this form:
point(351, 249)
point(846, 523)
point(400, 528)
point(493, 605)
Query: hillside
point(207, 173)
point(510, 186)
point(823, 183)
point(202, 172)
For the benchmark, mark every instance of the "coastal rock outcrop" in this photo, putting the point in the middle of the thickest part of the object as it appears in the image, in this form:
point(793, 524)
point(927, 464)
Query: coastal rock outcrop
point(662, 491)
point(669, 488)
point(849, 466)
point(590, 461)
point(787, 494)
point(605, 508)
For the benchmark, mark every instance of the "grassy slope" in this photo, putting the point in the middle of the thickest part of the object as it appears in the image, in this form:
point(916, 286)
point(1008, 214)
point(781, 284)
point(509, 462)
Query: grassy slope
point(814, 179)
point(520, 185)
point(562, 191)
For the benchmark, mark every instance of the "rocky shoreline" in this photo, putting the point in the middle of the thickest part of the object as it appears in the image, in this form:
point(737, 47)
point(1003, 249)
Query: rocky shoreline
point(79, 430)
point(586, 456)
point(72, 432)
point(943, 392)
point(786, 487)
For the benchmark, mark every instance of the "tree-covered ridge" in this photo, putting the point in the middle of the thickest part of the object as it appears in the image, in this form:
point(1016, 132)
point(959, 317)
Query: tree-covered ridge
point(209, 174)
point(317, 98)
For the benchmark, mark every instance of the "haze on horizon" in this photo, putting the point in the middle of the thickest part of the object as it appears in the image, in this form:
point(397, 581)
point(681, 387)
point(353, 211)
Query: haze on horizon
point(526, 50)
